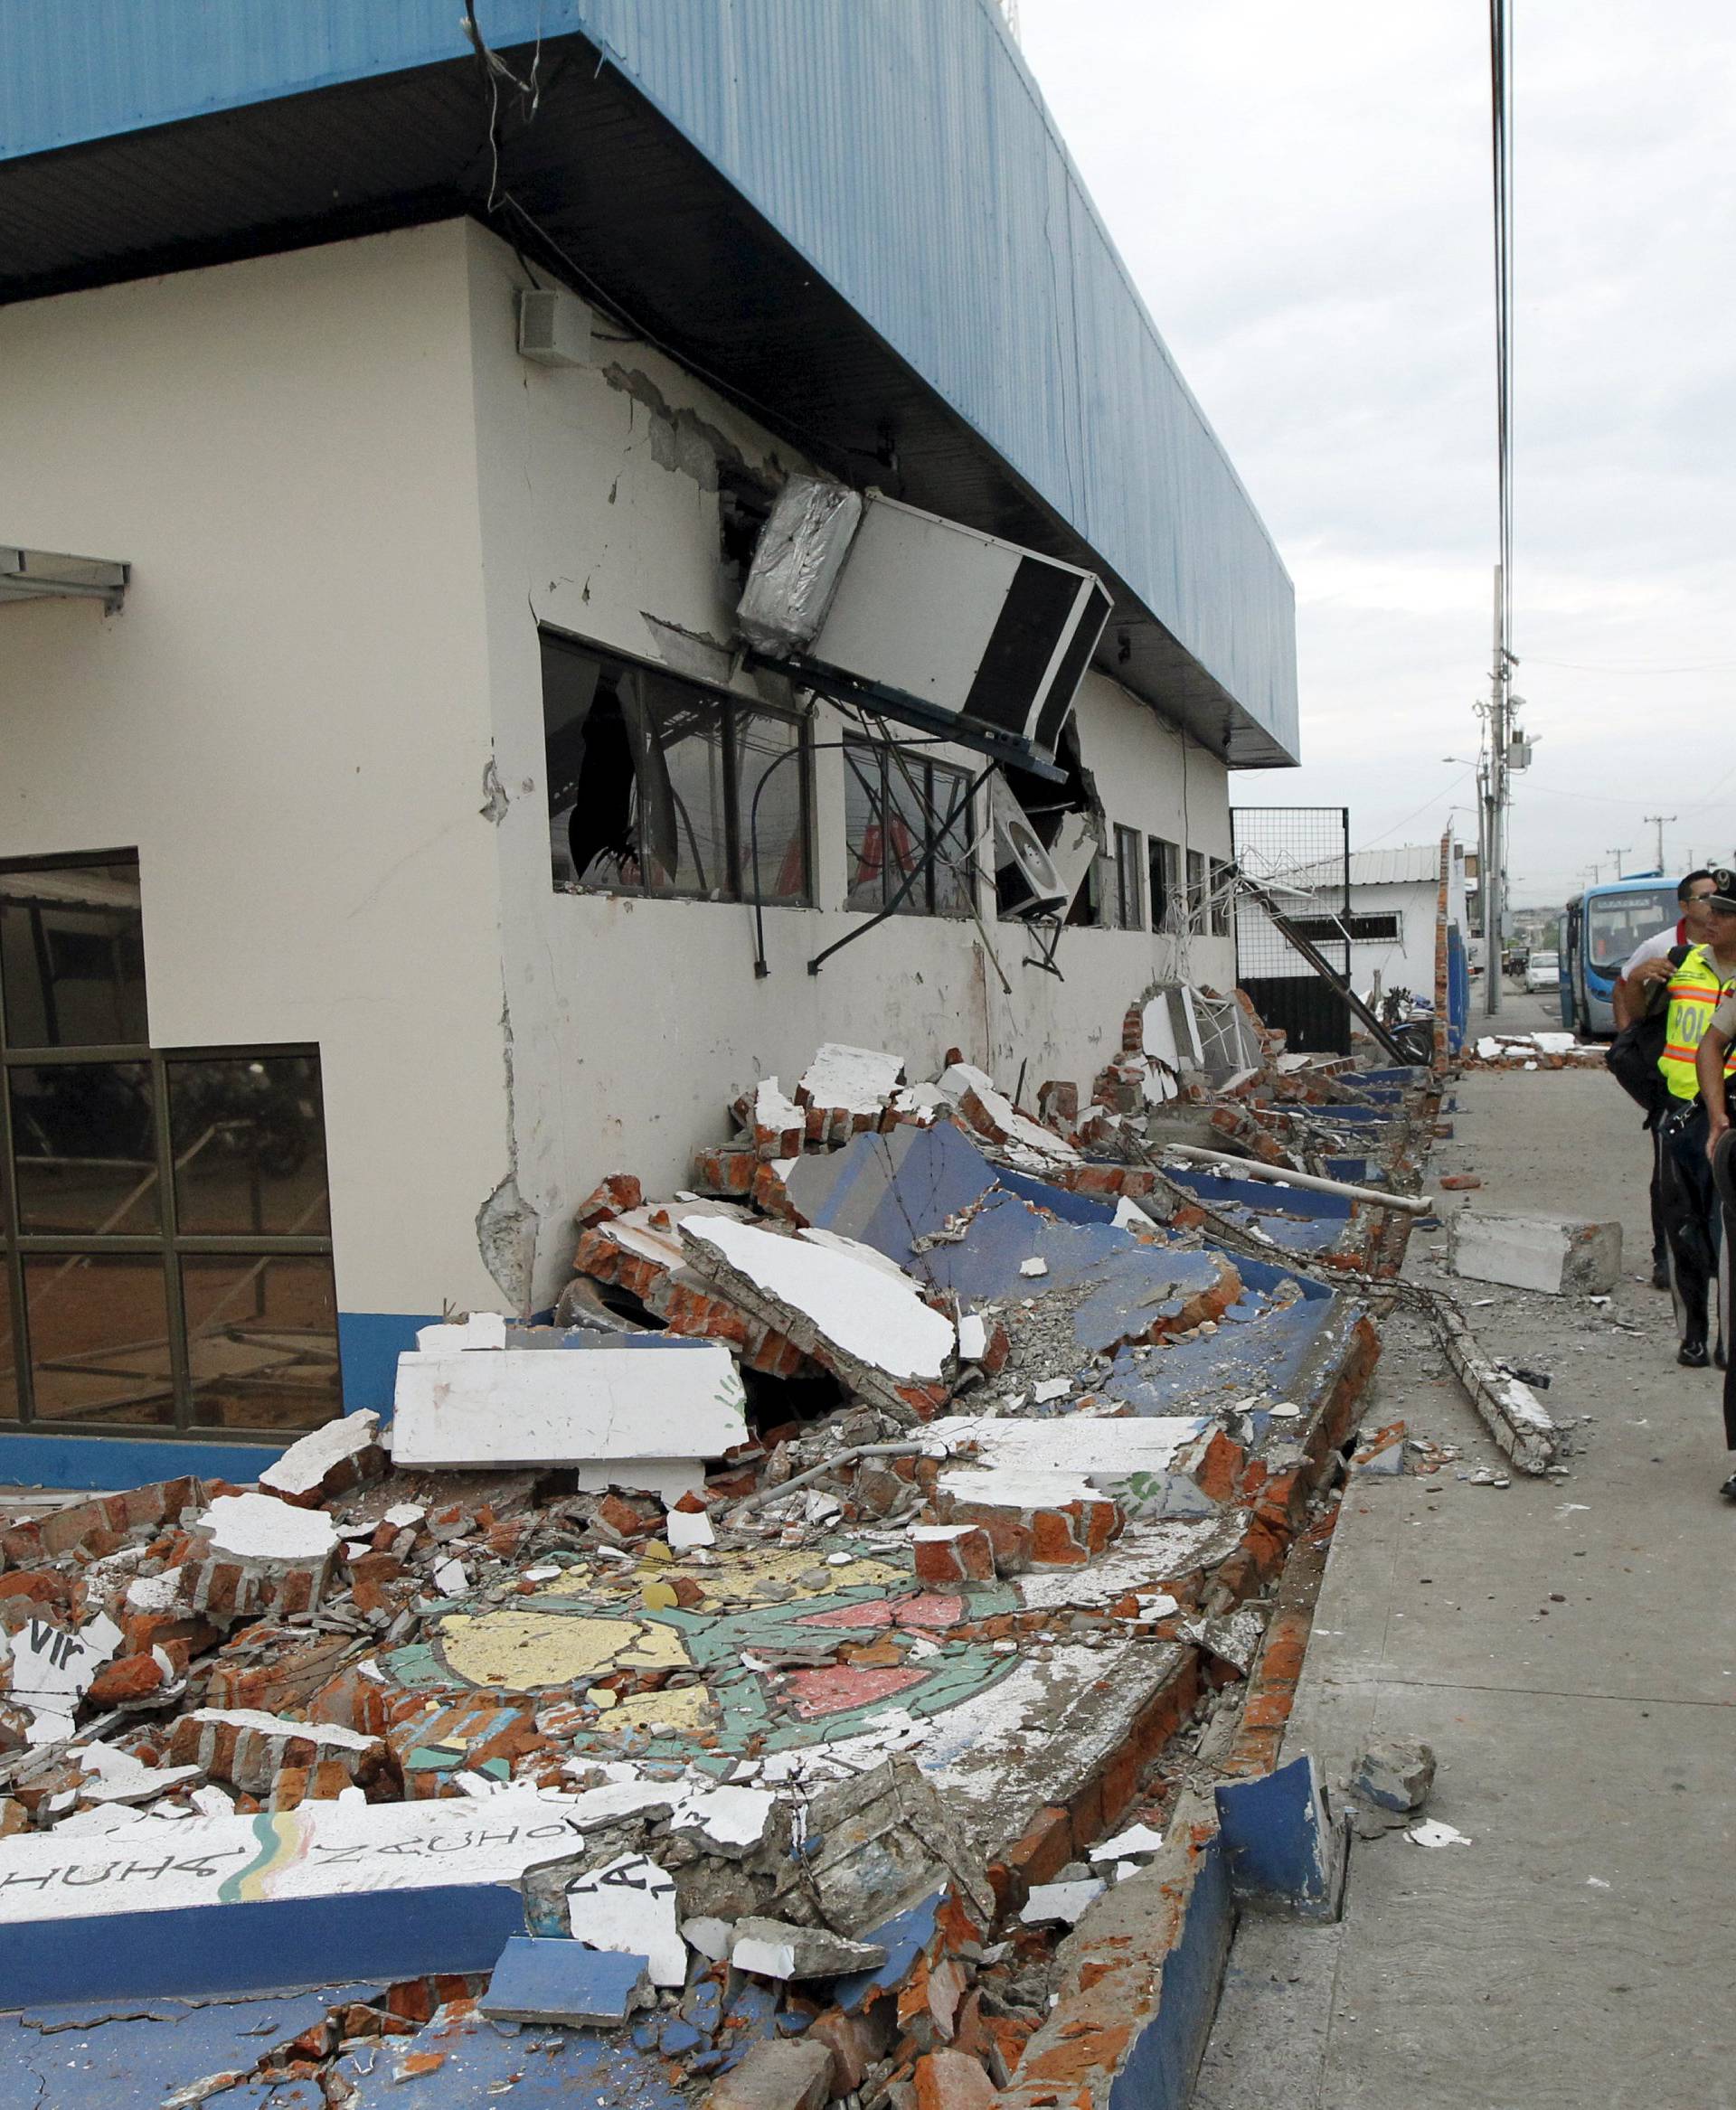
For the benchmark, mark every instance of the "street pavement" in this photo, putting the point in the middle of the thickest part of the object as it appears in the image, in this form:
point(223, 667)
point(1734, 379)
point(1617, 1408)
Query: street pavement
point(1569, 1649)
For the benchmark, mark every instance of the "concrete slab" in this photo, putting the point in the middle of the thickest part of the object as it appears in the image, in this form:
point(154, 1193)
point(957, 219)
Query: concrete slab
point(515, 1407)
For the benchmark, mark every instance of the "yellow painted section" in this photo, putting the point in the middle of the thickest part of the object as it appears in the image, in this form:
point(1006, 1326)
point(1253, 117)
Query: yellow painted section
point(528, 1650)
point(686, 1707)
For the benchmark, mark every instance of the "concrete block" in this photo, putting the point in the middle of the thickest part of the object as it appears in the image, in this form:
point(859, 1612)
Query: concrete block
point(793, 2073)
point(1561, 1255)
point(1395, 1774)
point(777, 1949)
point(564, 1981)
point(327, 1461)
point(841, 1302)
point(524, 1407)
point(1286, 1855)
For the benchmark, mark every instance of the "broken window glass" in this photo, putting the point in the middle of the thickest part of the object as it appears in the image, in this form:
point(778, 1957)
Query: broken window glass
point(1130, 898)
point(898, 808)
point(1164, 860)
point(73, 954)
point(652, 781)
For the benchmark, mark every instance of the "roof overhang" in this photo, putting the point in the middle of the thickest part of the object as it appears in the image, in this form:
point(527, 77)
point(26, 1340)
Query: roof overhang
point(47, 575)
point(619, 186)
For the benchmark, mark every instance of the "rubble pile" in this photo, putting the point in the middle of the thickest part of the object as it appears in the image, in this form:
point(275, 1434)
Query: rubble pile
point(747, 1679)
point(1536, 1051)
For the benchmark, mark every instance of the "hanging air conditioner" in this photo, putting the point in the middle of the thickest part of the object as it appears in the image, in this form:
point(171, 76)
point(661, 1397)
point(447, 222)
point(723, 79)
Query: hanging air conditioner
point(921, 618)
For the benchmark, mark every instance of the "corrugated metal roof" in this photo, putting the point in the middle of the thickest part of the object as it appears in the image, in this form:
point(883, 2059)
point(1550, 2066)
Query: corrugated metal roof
point(1410, 865)
point(902, 150)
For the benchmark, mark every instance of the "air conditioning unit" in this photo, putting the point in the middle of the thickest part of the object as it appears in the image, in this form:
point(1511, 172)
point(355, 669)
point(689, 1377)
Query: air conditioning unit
point(553, 327)
point(923, 619)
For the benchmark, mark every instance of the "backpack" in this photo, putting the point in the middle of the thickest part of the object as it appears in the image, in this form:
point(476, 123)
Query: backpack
point(1632, 1057)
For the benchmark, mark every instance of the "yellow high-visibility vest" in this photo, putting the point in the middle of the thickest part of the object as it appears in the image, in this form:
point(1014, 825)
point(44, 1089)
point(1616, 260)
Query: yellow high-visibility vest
point(1694, 989)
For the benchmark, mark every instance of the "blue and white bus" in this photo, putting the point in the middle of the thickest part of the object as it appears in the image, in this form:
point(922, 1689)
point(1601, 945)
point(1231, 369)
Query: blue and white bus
point(1600, 930)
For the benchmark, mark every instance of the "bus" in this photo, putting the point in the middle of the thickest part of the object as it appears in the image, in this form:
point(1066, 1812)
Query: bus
point(1600, 930)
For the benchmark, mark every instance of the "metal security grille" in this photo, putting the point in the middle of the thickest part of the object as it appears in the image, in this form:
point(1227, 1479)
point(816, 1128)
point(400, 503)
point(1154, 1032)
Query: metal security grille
point(1299, 856)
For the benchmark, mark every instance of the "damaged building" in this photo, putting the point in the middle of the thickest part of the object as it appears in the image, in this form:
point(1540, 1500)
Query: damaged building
point(547, 574)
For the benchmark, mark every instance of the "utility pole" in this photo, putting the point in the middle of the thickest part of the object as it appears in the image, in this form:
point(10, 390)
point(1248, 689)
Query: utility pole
point(1618, 855)
point(1495, 807)
point(1657, 821)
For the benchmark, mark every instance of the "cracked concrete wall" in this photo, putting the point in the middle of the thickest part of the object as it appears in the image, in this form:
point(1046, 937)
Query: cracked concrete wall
point(633, 1020)
point(290, 717)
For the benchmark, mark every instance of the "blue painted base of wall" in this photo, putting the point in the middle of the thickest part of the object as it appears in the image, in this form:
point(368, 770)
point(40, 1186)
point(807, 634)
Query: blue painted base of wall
point(369, 1344)
point(202, 1950)
point(106, 1464)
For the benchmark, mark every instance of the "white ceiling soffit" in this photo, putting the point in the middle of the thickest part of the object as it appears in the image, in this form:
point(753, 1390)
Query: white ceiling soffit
point(39, 575)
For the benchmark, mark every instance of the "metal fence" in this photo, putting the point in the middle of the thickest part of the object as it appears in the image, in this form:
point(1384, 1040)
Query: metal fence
point(1299, 856)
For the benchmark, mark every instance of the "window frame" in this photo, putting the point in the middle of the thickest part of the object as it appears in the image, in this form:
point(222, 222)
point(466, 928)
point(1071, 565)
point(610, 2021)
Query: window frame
point(167, 1243)
point(1217, 869)
point(1164, 862)
point(964, 818)
point(1129, 857)
point(731, 708)
point(1335, 929)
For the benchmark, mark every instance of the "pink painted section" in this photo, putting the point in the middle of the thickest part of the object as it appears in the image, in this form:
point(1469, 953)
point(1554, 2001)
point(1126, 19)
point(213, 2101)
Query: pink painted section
point(929, 1611)
point(845, 1688)
point(875, 1612)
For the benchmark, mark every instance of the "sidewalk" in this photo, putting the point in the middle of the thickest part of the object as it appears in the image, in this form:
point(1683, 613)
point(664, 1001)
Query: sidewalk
point(1569, 1648)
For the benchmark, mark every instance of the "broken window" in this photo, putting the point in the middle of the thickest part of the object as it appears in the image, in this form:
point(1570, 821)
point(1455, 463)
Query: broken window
point(904, 814)
point(167, 1232)
point(1220, 909)
point(1129, 892)
point(1195, 890)
point(1164, 861)
point(662, 785)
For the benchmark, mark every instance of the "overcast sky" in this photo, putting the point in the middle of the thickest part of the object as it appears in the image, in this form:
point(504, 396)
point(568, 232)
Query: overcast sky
point(1302, 195)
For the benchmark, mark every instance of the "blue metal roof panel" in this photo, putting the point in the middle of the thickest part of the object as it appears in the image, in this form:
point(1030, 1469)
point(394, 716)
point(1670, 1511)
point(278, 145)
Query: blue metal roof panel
point(903, 147)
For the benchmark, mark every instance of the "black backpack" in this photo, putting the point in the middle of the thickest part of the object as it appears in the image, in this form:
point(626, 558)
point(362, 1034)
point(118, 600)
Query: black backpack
point(1633, 1055)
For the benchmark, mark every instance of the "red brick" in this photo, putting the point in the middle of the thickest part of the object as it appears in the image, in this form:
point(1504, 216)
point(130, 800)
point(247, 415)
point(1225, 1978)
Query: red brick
point(951, 2080)
point(968, 1558)
point(614, 1195)
point(40, 1586)
point(126, 1679)
point(1458, 1179)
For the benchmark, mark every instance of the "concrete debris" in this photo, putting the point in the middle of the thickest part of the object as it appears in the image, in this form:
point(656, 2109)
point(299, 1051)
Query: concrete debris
point(328, 1461)
point(1559, 1255)
point(749, 1680)
point(792, 2076)
point(1394, 1775)
point(775, 1948)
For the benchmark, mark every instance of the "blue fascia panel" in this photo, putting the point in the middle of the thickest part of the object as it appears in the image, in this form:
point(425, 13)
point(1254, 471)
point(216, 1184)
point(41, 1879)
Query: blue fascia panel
point(902, 150)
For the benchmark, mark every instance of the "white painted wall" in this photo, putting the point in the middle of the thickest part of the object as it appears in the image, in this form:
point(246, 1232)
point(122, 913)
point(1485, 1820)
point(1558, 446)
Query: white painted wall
point(290, 717)
point(347, 503)
point(634, 1021)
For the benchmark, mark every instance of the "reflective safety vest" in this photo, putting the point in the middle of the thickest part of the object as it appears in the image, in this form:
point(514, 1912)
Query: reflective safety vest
point(1693, 991)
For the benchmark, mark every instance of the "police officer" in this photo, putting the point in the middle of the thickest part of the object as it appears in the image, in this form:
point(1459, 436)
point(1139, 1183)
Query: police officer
point(1697, 987)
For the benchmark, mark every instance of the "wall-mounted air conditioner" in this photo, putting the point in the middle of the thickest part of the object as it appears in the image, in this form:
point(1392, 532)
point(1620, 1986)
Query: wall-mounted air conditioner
point(921, 618)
